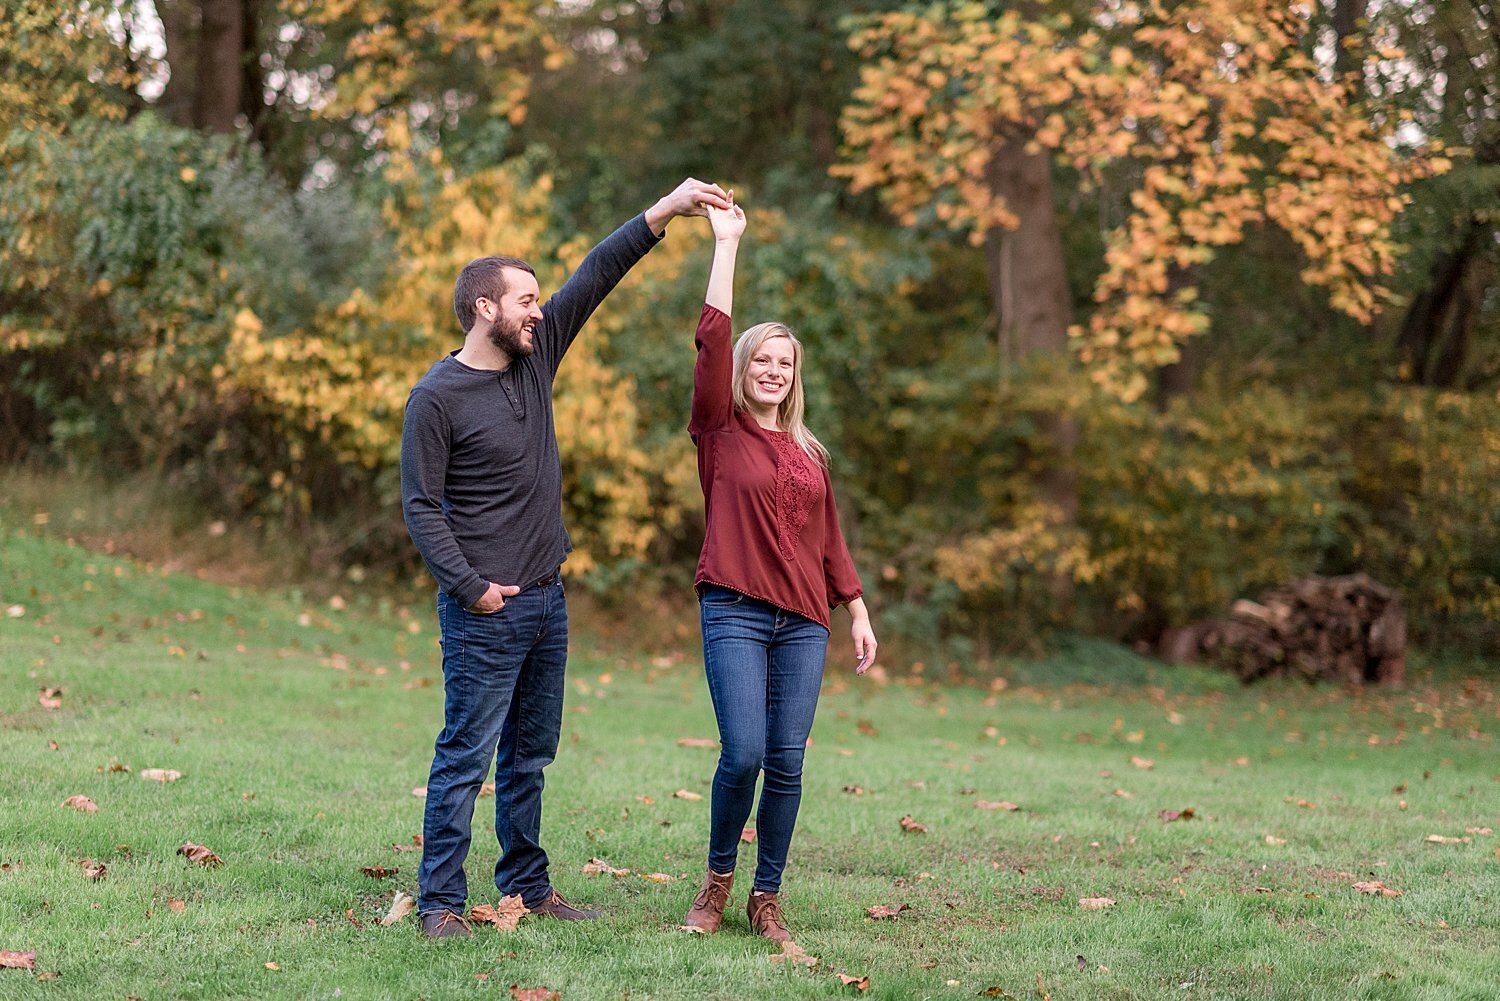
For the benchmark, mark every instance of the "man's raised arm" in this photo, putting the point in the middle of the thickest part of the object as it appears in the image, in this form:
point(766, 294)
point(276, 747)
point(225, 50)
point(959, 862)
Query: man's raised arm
point(566, 312)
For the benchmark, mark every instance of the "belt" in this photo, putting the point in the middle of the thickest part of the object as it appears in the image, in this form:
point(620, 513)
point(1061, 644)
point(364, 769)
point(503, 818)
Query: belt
point(547, 581)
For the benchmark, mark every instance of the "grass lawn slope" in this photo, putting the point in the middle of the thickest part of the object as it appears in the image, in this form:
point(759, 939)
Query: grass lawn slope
point(1231, 828)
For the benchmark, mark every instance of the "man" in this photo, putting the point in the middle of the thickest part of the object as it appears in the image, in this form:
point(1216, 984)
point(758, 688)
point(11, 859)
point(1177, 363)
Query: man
point(481, 492)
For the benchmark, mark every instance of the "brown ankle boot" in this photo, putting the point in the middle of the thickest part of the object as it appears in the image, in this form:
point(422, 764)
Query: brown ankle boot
point(764, 911)
point(707, 911)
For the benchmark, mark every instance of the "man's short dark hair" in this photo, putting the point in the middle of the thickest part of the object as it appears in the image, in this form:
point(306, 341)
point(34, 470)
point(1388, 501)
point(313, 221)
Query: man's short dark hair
point(483, 277)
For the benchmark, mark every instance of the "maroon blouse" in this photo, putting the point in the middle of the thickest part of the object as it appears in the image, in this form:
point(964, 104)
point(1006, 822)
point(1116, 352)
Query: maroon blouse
point(773, 530)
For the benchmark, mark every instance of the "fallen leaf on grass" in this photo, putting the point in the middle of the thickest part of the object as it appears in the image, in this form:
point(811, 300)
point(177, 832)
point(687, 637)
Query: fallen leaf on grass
point(696, 742)
point(379, 871)
point(274, 967)
point(487, 789)
point(860, 984)
point(854, 790)
point(1272, 839)
point(118, 767)
point(1167, 816)
point(1140, 762)
point(52, 745)
point(199, 854)
point(748, 835)
point(984, 804)
point(910, 826)
point(1439, 839)
point(1478, 830)
point(160, 774)
point(81, 803)
point(176, 905)
point(93, 870)
point(996, 992)
point(1304, 804)
point(684, 794)
point(657, 877)
point(505, 915)
point(794, 954)
point(1095, 903)
point(519, 993)
point(356, 922)
point(599, 867)
point(17, 960)
point(420, 792)
point(51, 698)
point(880, 911)
point(1377, 888)
point(402, 905)
point(1123, 794)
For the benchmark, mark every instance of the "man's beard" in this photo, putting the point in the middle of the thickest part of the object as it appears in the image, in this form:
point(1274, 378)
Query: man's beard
point(507, 337)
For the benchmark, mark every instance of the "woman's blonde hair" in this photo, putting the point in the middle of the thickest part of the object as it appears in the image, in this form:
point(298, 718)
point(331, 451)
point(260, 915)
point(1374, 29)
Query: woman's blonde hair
point(789, 413)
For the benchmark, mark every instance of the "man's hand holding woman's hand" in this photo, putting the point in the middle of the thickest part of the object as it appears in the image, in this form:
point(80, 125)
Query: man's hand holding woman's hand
point(691, 197)
point(492, 600)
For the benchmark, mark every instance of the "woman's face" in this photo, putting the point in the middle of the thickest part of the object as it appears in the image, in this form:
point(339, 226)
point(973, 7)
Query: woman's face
point(768, 378)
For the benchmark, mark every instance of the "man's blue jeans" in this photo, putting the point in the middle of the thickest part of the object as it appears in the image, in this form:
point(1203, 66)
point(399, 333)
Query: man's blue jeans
point(503, 698)
point(764, 667)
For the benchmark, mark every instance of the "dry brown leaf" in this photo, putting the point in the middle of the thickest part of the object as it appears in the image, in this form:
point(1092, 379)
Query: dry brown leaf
point(984, 804)
point(1272, 839)
point(176, 905)
point(1439, 839)
point(51, 698)
point(160, 774)
point(1377, 887)
point(487, 789)
point(599, 867)
point(748, 835)
point(401, 905)
point(47, 975)
point(1478, 830)
point(657, 877)
point(860, 984)
point(93, 870)
point(1123, 794)
point(274, 967)
point(505, 915)
point(1095, 903)
point(1140, 762)
point(52, 745)
point(794, 954)
point(420, 792)
point(1167, 816)
point(910, 826)
point(649, 801)
point(854, 790)
point(867, 728)
point(81, 803)
point(684, 794)
point(379, 871)
point(696, 742)
point(882, 911)
point(518, 993)
point(199, 854)
point(17, 960)
point(118, 767)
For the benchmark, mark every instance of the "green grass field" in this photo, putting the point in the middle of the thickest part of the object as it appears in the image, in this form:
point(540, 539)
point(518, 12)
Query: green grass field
point(300, 733)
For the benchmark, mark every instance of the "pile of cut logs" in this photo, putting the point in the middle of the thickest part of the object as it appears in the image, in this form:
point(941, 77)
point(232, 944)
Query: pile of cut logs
point(1349, 630)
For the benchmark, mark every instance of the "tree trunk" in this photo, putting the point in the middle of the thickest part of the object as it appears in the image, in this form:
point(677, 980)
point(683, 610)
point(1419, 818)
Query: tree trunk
point(1435, 333)
point(221, 65)
point(180, 20)
point(1029, 286)
point(1348, 18)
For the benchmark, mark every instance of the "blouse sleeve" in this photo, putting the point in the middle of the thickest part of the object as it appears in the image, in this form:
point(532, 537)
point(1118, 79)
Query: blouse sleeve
point(838, 567)
point(713, 401)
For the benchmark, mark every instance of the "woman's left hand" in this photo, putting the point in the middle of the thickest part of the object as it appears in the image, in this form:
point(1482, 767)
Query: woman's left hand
point(865, 645)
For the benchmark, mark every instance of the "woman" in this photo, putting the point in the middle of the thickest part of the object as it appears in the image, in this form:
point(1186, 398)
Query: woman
point(774, 564)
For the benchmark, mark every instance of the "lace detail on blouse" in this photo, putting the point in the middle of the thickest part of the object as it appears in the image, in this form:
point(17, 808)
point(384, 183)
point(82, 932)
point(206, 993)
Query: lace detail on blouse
point(798, 487)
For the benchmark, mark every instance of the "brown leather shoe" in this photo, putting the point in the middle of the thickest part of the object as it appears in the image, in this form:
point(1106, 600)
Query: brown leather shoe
point(556, 907)
point(445, 924)
point(764, 912)
point(707, 912)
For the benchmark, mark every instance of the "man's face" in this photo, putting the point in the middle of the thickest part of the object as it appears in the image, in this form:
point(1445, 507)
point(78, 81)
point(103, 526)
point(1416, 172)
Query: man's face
point(514, 318)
